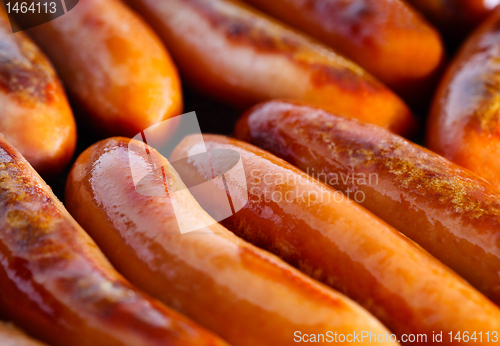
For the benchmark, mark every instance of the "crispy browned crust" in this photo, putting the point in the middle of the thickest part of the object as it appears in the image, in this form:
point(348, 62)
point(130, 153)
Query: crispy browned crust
point(35, 113)
point(333, 239)
point(25, 72)
point(387, 38)
point(246, 27)
point(451, 212)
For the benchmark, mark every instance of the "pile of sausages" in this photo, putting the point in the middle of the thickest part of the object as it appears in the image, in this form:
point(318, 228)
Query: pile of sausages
point(342, 229)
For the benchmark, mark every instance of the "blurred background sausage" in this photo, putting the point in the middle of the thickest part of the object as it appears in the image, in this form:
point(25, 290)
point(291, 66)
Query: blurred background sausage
point(235, 54)
point(455, 18)
point(385, 37)
point(35, 115)
point(113, 65)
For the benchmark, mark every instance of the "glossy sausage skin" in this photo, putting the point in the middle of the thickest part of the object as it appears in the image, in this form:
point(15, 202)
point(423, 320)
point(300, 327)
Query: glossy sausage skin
point(35, 115)
point(449, 211)
point(387, 38)
point(114, 66)
point(57, 285)
point(244, 294)
point(11, 336)
point(236, 54)
point(464, 125)
point(336, 241)
point(456, 18)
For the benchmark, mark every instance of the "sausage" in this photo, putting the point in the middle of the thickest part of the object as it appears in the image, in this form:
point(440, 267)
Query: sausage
point(449, 211)
point(35, 116)
point(237, 55)
point(463, 124)
point(113, 65)
point(336, 241)
point(387, 38)
point(456, 18)
point(247, 296)
point(57, 285)
point(11, 336)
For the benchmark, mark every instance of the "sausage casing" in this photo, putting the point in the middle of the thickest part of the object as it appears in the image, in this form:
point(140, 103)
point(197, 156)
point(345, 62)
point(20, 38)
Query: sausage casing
point(244, 294)
point(449, 211)
point(336, 241)
point(35, 116)
point(387, 38)
point(233, 53)
point(113, 65)
point(57, 285)
point(463, 125)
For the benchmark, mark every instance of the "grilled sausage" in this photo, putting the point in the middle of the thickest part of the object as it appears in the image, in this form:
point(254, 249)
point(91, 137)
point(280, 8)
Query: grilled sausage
point(336, 241)
point(11, 336)
point(387, 38)
point(57, 285)
point(244, 294)
point(456, 18)
point(452, 213)
point(35, 114)
point(236, 54)
point(113, 65)
point(464, 125)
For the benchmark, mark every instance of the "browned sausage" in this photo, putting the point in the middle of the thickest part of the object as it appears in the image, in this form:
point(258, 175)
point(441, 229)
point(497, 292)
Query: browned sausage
point(35, 115)
point(464, 125)
point(452, 213)
point(57, 285)
point(233, 53)
point(244, 294)
point(336, 241)
point(114, 66)
point(388, 38)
